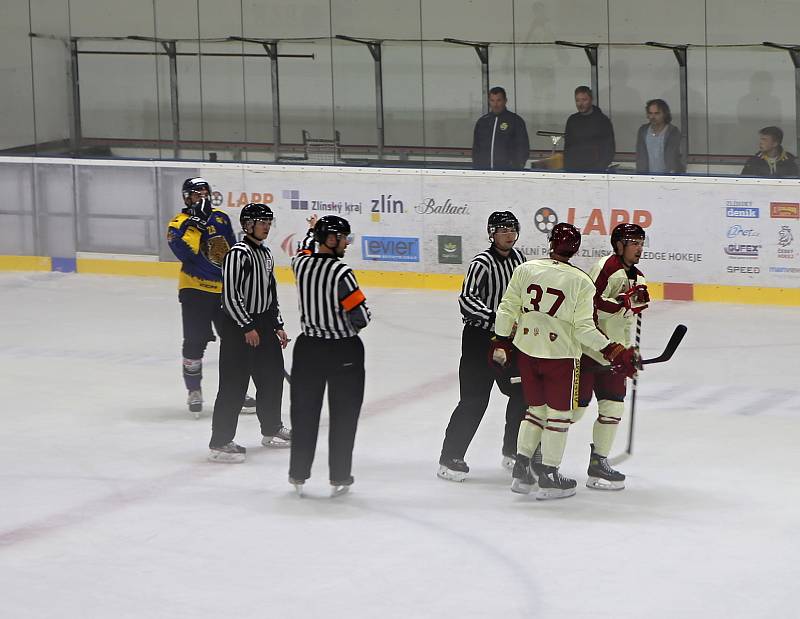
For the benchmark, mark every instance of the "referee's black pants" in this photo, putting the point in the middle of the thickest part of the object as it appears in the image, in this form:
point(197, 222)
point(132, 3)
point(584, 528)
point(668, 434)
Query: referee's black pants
point(339, 364)
point(238, 361)
point(476, 380)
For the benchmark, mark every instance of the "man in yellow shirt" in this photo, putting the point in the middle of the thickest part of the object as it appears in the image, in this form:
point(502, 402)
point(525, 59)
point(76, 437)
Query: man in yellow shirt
point(551, 302)
point(620, 296)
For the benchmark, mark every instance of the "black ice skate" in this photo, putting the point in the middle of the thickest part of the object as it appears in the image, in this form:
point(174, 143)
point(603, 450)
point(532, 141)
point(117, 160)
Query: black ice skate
point(522, 477)
point(452, 469)
point(552, 484)
point(339, 488)
point(195, 402)
point(249, 405)
point(281, 438)
point(230, 453)
point(601, 475)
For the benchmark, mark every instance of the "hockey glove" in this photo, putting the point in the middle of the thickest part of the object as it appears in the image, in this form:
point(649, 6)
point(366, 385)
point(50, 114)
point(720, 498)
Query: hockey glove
point(623, 360)
point(501, 353)
point(198, 223)
point(636, 299)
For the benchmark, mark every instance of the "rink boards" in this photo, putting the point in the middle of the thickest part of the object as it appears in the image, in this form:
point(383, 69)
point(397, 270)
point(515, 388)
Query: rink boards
point(708, 238)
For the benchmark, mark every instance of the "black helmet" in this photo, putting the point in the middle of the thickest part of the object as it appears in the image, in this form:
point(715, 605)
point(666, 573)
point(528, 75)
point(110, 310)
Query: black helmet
point(330, 224)
point(626, 232)
point(501, 219)
point(253, 211)
point(565, 240)
point(192, 185)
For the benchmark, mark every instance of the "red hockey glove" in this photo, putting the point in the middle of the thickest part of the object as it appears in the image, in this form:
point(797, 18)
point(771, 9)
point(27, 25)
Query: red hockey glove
point(636, 299)
point(623, 360)
point(501, 353)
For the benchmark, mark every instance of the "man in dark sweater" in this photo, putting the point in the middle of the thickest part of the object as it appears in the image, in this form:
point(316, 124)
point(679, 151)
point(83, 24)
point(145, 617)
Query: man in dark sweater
point(588, 137)
point(500, 140)
point(771, 159)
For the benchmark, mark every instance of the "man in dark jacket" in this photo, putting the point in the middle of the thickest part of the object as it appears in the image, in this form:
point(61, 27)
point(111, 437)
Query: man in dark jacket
point(588, 137)
point(771, 158)
point(500, 140)
point(658, 143)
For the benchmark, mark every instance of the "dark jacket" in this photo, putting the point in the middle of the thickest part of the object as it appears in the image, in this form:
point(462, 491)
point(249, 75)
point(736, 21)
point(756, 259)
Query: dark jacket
point(672, 150)
point(510, 137)
point(588, 142)
point(757, 165)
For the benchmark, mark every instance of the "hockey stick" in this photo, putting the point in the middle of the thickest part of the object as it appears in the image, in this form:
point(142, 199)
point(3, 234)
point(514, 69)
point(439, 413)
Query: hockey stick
point(629, 448)
point(672, 345)
point(287, 376)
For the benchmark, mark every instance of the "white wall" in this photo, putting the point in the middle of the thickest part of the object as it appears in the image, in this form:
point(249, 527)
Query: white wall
point(432, 90)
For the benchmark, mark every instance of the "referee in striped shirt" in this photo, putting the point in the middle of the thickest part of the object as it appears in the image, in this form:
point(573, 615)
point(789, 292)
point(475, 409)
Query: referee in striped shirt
point(487, 278)
point(328, 352)
point(252, 340)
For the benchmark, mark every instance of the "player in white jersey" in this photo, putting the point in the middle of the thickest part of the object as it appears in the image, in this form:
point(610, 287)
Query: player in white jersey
point(620, 296)
point(551, 303)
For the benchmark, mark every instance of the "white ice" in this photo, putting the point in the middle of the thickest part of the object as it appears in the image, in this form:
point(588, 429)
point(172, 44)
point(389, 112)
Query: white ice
point(110, 510)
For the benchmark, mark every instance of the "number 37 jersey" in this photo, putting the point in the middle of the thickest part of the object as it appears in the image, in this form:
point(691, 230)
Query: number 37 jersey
point(552, 304)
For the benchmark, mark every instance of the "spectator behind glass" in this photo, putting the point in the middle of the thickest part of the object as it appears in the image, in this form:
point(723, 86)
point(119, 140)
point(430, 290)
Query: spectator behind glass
point(500, 140)
point(771, 158)
point(588, 137)
point(658, 143)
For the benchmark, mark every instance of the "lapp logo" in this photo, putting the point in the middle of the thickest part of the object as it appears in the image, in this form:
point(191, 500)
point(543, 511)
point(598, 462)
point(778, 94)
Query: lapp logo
point(736, 231)
point(545, 219)
point(740, 212)
point(742, 251)
point(784, 210)
point(390, 248)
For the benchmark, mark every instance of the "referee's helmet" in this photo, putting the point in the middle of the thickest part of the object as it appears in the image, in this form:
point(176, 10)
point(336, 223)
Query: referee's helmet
point(255, 211)
point(330, 224)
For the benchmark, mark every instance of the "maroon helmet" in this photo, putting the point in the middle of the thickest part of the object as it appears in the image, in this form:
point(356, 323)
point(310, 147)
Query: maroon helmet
point(565, 240)
point(626, 232)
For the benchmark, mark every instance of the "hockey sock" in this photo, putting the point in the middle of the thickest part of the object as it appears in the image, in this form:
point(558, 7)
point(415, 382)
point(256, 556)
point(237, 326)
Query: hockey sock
point(609, 413)
point(192, 373)
point(530, 430)
point(554, 437)
point(577, 414)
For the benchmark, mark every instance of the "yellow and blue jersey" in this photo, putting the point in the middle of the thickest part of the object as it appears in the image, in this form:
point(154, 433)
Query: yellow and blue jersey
point(201, 250)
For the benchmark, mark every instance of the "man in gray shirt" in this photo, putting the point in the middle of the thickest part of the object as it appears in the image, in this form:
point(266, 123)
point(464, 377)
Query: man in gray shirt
point(658, 143)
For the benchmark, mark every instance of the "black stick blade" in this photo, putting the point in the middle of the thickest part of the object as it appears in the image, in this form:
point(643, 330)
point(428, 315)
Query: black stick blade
point(672, 346)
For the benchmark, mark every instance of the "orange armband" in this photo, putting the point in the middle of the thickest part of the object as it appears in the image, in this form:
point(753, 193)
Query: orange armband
point(353, 300)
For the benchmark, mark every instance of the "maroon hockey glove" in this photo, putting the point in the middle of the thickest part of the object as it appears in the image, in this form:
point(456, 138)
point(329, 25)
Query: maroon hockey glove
point(636, 299)
point(501, 353)
point(623, 360)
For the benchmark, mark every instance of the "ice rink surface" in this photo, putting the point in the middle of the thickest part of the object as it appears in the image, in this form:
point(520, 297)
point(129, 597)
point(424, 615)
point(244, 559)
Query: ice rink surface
point(110, 510)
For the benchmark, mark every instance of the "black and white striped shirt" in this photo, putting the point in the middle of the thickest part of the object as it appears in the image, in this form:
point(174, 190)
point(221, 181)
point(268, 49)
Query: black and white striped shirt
point(331, 304)
point(248, 285)
point(487, 279)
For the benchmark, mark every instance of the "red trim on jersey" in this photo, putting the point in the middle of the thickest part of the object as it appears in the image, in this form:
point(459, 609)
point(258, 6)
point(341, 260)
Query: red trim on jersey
point(612, 265)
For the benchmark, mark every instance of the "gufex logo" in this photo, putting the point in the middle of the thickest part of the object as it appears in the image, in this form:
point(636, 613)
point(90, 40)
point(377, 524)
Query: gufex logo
point(735, 231)
point(449, 249)
point(546, 218)
point(785, 240)
point(298, 204)
point(429, 206)
point(740, 209)
point(390, 248)
point(385, 204)
point(784, 210)
point(742, 251)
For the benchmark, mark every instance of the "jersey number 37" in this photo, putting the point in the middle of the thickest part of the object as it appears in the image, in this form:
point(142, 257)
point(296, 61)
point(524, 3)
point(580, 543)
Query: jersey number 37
point(536, 292)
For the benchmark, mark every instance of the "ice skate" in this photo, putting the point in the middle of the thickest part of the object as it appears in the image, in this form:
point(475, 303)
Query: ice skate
point(339, 488)
point(508, 462)
point(230, 453)
point(452, 469)
point(601, 475)
point(552, 484)
point(522, 477)
point(281, 438)
point(298, 485)
point(249, 405)
point(195, 403)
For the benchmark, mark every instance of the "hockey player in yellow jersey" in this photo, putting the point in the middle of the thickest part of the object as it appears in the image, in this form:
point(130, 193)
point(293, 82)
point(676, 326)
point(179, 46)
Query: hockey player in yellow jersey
point(551, 303)
point(620, 296)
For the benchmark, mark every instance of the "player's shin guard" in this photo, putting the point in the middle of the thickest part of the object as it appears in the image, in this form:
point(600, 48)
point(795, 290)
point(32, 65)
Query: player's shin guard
point(606, 425)
point(192, 373)
point(554, 437)
point(577, 414)
point(530, 430)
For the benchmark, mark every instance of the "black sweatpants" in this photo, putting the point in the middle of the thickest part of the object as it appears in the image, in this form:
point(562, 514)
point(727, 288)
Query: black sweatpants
point(238, 362)
point(339, 364)
point(199, 310)
point(476, 379)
